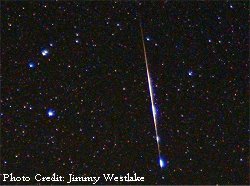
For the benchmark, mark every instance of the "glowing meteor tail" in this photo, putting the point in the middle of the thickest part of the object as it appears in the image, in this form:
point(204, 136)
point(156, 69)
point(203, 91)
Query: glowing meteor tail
point(161, 162)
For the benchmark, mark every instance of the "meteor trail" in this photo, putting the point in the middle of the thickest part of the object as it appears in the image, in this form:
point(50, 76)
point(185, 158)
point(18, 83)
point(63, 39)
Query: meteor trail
point(161, 162)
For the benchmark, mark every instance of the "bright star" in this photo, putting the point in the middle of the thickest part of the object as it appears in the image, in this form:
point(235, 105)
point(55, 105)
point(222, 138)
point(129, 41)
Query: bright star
point(31, 64)
point(45, 52)
point(51, 113)
point(147, 38)
point(190, 73)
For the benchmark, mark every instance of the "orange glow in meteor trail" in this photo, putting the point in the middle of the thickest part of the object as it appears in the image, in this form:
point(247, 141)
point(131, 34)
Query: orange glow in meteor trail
point(161, 161)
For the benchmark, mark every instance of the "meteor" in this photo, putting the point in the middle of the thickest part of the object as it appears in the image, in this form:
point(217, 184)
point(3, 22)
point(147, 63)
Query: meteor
point(160, 159)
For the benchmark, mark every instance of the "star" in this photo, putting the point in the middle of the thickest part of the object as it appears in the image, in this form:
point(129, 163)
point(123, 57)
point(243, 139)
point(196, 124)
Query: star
point(190, 73)
point(32, 64)
point(45, 52)
point(51, 113)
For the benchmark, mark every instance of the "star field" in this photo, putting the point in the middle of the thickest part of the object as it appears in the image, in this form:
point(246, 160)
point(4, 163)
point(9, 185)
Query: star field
point(75, 97)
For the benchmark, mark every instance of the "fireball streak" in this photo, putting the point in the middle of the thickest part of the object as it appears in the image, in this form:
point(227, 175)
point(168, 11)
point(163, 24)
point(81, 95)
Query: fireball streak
point(152, 99)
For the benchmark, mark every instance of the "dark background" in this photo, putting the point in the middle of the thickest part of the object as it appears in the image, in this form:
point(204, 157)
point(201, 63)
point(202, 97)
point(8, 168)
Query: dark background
point(198, 60)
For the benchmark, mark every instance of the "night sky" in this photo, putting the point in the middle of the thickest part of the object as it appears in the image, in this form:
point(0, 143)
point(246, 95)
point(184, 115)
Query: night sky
point(75, 95)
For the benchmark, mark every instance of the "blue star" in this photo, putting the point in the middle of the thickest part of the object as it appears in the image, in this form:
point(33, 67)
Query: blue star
point(45, 52)
point(32, 64)
point(190, 73)
point(51, 113)
point(147, 38)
